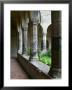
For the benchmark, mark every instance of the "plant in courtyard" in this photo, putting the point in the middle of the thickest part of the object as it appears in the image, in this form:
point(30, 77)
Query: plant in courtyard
point(45, 57)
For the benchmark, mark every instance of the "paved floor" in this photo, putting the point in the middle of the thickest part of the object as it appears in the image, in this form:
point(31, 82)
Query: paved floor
point(16, 71)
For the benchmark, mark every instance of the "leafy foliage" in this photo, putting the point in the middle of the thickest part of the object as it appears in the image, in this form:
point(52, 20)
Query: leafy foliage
point(46, 57)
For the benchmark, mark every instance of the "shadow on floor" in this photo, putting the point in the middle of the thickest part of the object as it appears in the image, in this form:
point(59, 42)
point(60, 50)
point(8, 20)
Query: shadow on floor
point(16, 70)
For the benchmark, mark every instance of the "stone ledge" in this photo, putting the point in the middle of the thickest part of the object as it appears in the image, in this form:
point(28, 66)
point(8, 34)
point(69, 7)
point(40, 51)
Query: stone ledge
point(41, 66)
point(33, 68)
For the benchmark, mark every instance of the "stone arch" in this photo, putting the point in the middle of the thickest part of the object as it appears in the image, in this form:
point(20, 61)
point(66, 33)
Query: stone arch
point(49, 36)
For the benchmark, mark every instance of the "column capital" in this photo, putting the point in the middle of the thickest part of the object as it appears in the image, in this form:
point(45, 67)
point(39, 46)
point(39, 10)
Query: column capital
point(25, 29)
point(18, 27)
point(35, 17)
point(25, 22)
point(35, 21)
point(45, 19)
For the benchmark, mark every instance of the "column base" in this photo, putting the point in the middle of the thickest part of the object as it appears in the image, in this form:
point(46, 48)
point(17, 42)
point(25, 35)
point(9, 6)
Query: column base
point(43, 51)
point(35, 57)
point(25, 53)
point(20, 52)
point(55, 73)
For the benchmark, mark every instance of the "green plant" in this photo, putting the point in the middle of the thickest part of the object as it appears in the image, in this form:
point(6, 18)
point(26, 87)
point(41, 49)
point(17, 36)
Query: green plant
point(45, 57)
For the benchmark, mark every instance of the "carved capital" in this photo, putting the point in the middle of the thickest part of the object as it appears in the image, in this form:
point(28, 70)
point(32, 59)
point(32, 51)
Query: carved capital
point(45, 19)
point(25, 23)
point(35, 17)
point(19, 28)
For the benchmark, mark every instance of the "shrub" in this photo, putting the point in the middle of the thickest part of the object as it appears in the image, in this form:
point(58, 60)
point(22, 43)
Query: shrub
point(45, 57)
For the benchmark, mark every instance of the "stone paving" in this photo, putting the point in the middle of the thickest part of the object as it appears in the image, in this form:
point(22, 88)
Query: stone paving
point(16, 71)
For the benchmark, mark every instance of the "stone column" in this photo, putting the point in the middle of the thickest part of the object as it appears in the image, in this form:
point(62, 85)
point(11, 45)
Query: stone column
point(20, 39)
point(35, 41)
point(25, 36)
point(55, 71)
point(35, 20)
point(45, 22)
point(44, 42)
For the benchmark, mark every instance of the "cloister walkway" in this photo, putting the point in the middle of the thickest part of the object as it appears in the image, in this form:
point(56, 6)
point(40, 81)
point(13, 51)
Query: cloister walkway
point(16, 71)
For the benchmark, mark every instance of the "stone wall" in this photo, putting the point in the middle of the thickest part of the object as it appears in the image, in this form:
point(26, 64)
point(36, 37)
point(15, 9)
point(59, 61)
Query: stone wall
point(31, 69)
